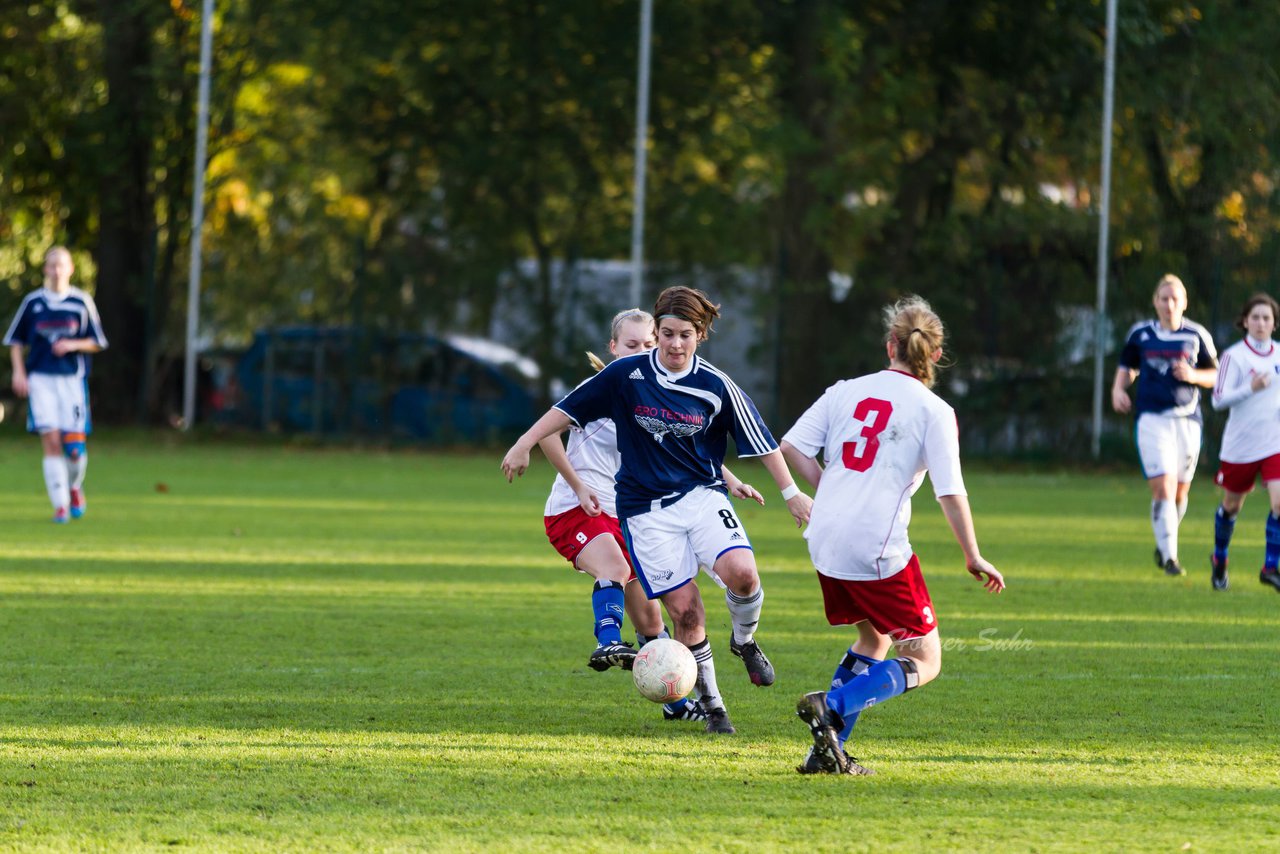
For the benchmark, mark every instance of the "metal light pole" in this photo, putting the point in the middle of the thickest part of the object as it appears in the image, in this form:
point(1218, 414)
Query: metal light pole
point(1104, 225)
point(642, 135)
point(197, 218)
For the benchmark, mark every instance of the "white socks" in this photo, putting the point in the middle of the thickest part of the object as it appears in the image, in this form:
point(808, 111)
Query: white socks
point(75, 469)
point(56, 483)
point(745, 613)
point(1164, 522)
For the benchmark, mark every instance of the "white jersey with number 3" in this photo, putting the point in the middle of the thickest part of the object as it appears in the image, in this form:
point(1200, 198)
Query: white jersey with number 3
point(878, 434)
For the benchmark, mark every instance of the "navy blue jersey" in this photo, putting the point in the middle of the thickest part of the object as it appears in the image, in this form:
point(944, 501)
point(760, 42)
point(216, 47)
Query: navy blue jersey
point(1151, 350)
point(672, 428)
point(43, 318)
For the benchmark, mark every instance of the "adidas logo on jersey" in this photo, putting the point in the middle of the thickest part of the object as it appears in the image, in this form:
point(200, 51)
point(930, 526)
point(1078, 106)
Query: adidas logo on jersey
point(635, 375)
point(736, 536)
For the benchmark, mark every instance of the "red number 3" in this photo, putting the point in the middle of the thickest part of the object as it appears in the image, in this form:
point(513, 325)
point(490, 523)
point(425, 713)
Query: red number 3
point(874, 415)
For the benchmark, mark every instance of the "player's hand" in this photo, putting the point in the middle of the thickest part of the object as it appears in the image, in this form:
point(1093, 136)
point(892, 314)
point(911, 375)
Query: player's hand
point(990, 577)
point(1181, 371)
point(746, 491)
point(63, 346)
point(800, 506)
point(588, 501)
point(1120, 401)
point(20, 387)
point(1260, 381)
point(515, 462)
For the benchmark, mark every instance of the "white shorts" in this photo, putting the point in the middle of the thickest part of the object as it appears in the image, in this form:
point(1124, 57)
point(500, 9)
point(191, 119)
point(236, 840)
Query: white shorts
point(57, 402)
point(1168, 445)
point(669, 545)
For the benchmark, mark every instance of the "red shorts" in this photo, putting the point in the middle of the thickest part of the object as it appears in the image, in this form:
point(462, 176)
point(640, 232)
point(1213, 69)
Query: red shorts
point(570, 532)
point(898, 606)
point(1239, 477)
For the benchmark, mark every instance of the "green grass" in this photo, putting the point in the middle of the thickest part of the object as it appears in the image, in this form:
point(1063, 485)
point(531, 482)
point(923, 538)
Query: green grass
point(321, 649)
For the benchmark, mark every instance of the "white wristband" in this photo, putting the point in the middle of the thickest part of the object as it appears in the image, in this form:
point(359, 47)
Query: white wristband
point(790, 492)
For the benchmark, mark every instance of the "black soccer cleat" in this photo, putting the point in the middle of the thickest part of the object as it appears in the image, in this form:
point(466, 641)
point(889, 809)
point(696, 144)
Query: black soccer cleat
point(1159, 559)
point(690, 711)
point(718, 722)
point(824, 726)
point(1172, 567)
point(620, 654)
point(1270, 576)
point(812, 764)
point(1219, 576)
point(758, 666)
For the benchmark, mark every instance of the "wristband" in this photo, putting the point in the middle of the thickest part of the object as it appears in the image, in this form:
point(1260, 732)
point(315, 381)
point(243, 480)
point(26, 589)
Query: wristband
point(790, 492)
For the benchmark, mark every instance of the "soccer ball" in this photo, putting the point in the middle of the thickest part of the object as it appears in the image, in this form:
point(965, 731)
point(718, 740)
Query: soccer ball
point(664, 670)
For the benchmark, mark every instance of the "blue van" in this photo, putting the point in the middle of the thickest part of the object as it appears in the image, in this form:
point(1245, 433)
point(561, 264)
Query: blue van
point(452, 388)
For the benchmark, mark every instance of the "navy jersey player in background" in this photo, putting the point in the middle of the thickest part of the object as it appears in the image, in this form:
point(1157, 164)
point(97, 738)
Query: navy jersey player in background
point(674, 414)
point(58, 326)
point(1172, 357)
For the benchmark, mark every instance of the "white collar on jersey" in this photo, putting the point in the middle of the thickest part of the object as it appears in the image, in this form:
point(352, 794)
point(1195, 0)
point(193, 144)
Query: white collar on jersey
point(1262, 348)
point(667, 373)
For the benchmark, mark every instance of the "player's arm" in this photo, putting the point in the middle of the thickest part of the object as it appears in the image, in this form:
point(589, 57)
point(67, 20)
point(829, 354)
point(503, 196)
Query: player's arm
point(517, 458)
point(553, 449)
point(738, 488)
point(1183, 372)
point(1124, 378)
point(798, 503)
point(1234, 386)
point(807, 467)
point(63, 346)
point(956, 509)
point(19, 370)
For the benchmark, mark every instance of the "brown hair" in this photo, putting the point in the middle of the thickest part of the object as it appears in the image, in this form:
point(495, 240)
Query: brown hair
point(687, 304)
point(916, 333)
point(1256, 300)
point(615, 325)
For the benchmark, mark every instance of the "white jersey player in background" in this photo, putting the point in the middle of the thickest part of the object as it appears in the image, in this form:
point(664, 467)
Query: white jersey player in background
point(58, 327)
point(1248, 387)
point(879, 434)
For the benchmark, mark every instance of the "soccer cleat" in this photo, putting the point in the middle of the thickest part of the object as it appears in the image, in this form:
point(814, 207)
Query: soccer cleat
point(718, 722)
point(606, 655)
point(824, 726)
point(1219, 573)
point(758, 666)
point(1172, 567)
point(77, 502)
point(1270, 576)
point(1159, 560)
point(690, 711)
point(813, 765)
point(60, 516)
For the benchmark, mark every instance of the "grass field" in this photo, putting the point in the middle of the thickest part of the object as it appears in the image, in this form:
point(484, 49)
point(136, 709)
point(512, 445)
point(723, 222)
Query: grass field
point(272, 648)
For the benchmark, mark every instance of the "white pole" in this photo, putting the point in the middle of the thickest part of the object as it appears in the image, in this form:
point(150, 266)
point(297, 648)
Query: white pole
point(1104, 225)
point(642, 135)
point(197, 218)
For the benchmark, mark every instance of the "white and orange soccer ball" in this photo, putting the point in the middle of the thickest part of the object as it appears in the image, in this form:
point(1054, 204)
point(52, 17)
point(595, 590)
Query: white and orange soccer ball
point(664, 670)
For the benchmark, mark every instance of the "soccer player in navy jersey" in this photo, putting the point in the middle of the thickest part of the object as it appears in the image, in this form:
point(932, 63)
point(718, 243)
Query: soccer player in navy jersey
point(58, 326)
point(674, 413)
point(1172, 358)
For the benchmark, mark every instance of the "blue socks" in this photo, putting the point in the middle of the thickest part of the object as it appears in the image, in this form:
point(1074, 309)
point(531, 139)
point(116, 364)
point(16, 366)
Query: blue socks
point(607, 603)
point(1223, 527)
point(850, 667)
point(1273, 543)
point(882, 681)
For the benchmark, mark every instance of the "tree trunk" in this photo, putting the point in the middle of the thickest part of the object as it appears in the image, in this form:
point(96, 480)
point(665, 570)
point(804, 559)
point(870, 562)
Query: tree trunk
point(126, 205)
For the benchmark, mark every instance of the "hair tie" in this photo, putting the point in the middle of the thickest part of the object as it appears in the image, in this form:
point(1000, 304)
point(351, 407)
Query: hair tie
point(915, 330)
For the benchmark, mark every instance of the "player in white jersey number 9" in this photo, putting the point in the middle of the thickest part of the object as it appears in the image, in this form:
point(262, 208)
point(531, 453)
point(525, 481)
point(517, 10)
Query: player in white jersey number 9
point(878, 435)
